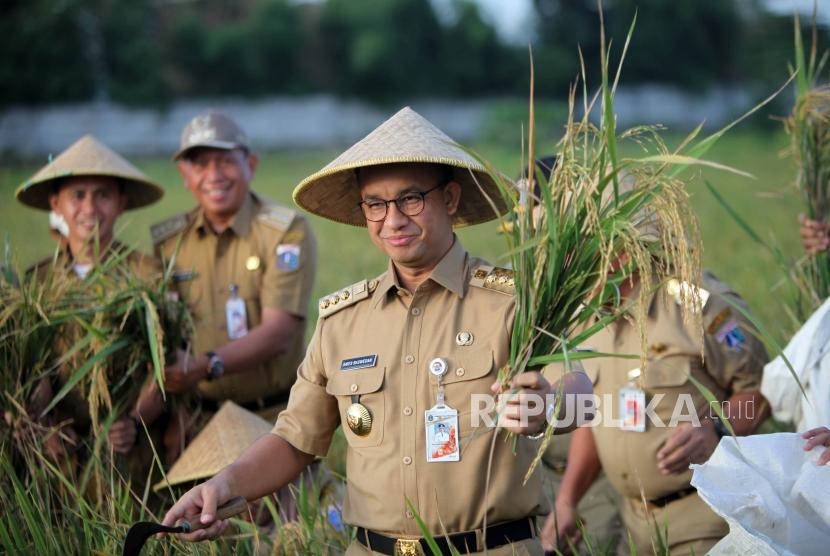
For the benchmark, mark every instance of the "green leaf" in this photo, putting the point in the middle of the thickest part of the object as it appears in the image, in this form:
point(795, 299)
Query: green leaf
point(76, 377)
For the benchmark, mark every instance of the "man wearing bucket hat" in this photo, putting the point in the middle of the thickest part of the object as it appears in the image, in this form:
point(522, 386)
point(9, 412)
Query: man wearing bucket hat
point(87, 187)
point(663, 423)
point(245, 266)
point(392, 357)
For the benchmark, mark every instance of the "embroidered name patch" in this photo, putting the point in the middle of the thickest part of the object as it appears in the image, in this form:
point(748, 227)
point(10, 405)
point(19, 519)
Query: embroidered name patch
point(362, 362)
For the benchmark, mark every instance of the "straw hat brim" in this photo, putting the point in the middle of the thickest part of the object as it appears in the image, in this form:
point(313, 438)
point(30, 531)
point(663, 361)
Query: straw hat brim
point(223, 439)
point(334, 193)
point(405, 138)
point(139, 192)
point(89, 157)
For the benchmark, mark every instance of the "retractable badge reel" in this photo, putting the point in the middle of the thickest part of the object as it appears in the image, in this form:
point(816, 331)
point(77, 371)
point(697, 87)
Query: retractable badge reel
point(441, 421)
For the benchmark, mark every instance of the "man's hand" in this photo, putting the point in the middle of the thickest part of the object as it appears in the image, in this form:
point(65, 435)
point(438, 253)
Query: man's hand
point(184, 373)
point(561, 530)
point(204, 499)
point(818, 437)
point(685, 445)
point(814, 235)
point(122, 435)
point(522, 407)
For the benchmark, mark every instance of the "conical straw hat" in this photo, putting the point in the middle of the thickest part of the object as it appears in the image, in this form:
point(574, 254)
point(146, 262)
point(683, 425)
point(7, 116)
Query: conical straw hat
point(89, 157)
point(406, 137)
point(219, 444)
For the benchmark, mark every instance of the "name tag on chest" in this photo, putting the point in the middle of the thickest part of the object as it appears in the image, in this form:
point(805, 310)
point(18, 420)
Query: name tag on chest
point(362, 362)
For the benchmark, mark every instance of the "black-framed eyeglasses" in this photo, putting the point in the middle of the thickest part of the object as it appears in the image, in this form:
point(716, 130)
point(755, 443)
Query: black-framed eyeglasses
point(410, 203)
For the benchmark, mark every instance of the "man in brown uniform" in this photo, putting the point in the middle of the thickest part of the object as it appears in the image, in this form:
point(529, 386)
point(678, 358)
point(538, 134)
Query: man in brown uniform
point(395, 357)
point(245, 266)
point(662, 421)
point(88, 186)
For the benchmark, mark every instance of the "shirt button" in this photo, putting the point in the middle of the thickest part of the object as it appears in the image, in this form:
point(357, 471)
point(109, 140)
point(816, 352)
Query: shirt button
point(459, 371)
point(409, 514)
point(416, 311)
point(409, 358)
point(407, 411)
point(407, 460)
point(353, 388)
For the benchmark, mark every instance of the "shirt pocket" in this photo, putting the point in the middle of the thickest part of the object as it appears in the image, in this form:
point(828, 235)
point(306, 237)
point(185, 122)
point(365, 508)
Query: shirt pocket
point(367, 385)
point(668, 372)
point(467, 388)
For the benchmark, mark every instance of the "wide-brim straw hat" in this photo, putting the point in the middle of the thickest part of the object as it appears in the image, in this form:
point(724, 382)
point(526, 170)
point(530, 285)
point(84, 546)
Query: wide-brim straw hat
point(229, 433)
point(406, 137)
point(89, 157)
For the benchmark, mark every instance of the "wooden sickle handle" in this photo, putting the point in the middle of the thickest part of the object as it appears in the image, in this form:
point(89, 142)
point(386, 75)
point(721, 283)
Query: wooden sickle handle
point(232, 507)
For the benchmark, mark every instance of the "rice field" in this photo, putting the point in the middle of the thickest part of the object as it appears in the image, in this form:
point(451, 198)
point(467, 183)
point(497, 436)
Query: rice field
point(770, 203)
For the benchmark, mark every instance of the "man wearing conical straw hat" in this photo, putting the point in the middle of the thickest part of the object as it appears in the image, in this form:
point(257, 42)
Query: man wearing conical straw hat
point(664, 422)
point(87, 187)
point(395, 357)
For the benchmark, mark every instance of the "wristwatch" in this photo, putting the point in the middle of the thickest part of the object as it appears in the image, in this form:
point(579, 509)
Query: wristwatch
point(216, 365)
point(548, 420)
point(720, 428)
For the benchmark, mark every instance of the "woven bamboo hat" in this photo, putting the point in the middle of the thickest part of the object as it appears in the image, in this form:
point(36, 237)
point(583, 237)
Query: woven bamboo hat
point(406, 137)
point(219, 444)
point(89, 157)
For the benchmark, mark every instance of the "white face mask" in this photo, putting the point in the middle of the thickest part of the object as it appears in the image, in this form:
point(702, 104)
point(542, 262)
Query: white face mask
point(57, 223)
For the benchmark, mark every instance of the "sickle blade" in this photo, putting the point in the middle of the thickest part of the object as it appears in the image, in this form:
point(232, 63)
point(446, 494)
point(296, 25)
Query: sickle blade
point(140, 532)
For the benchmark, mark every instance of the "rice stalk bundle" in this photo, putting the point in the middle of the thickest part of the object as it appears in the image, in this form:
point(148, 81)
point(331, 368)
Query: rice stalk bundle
point(599, 220)
point(809, 129)
point(106, 331)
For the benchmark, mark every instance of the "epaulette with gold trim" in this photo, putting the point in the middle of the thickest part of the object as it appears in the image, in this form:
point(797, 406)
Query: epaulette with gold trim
point(168, 228)
point(276, 216)
point(330, 304)
point(494, 278)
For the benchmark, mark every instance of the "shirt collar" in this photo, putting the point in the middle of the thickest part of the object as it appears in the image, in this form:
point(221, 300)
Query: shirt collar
point(241, 223)
point(450, 273)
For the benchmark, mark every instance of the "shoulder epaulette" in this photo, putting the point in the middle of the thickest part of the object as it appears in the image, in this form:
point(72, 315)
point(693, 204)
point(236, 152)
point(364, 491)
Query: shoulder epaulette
point(330, 304)
point(168, 228)
point(682, 292)
point(276, 216)
point(493, 278)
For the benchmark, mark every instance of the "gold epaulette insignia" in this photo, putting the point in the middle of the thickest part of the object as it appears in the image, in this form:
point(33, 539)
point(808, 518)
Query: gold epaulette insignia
point(330, 304)
point(684, 291)
point(168, 228)
point(494, 278)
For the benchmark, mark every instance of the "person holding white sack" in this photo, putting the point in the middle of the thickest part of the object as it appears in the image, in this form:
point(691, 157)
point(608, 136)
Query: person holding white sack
point(809, 354)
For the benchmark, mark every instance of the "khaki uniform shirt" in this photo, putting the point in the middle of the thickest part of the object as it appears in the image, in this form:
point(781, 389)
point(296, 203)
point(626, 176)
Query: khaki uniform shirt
point(406, 331)
point(629, 458)
point(248, 255)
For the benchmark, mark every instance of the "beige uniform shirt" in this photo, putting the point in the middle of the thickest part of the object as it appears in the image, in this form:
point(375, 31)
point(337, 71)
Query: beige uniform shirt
point(629, 458)
point(406, 331)
point(269, 252)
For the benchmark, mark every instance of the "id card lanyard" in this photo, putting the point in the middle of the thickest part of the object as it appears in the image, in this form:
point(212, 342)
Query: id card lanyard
point(632, 400)
point(441, 421)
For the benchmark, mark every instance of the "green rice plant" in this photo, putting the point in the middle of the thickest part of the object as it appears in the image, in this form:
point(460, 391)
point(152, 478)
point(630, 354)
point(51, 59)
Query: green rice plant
point(809, 129)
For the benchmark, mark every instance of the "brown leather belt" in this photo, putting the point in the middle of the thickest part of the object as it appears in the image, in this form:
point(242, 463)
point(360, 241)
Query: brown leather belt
point(497, 535)
point(664, 501)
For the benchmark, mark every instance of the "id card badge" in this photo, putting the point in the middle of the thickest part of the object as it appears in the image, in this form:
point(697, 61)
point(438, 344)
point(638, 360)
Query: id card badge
point(632, 409)
point(235, 315)
point(442, 433)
